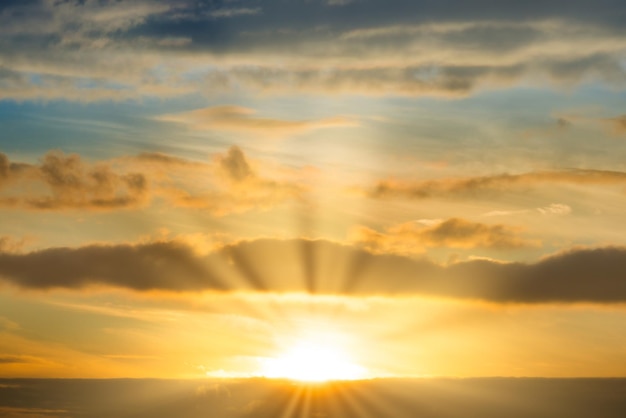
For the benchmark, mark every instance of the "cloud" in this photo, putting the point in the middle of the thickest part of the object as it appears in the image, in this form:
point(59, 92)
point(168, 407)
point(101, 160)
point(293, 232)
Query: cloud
point(142, 267)
point(235, 165)
point(71, 184)
point(576, 275)
point(235, 118)
point(10, 244)
point(408, 238)
point(18, 359)
point(555, 209)
point(500, 182)
point(8, 325)
point(617, 125)
point(66, 182)
point(108, 50)
point(236, 187)
point(242, 11)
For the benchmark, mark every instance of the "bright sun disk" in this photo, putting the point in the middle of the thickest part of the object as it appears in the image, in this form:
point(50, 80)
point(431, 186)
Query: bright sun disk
point(313, 362)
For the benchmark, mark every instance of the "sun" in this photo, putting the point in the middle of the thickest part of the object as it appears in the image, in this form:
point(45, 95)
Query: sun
point(310, 361)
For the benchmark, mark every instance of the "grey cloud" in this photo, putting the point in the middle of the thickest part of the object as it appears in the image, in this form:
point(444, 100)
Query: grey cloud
point(235, 165)
point(166, 266)
point(578, 275)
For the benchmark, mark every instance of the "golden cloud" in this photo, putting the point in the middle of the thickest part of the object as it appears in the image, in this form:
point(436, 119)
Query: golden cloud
point(411, 237)
point(242, 119)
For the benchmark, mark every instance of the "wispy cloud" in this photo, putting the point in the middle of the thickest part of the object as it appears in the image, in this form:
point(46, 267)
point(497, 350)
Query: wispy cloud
point(555, 209)
point(232, 12)
point(559, 209)
point(53, 49)
point(235, 118)
point(493, 183)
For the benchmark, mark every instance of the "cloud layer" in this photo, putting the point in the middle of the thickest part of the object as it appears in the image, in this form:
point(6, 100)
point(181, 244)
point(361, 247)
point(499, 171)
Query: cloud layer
point(577, 275)
point(94, 50)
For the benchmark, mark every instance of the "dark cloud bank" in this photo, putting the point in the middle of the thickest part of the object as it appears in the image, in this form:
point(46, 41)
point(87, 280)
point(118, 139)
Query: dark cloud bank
point(258, 398)
point(578, 275)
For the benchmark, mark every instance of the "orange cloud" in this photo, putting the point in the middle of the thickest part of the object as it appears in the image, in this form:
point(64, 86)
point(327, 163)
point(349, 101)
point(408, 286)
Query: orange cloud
point(242, 119)
point(500, 182)
point(66, 182)
point(617, 125)
point(411, 237)
point(70, 183)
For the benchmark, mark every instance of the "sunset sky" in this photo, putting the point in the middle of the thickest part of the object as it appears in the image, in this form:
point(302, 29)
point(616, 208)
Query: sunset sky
point(198, 188)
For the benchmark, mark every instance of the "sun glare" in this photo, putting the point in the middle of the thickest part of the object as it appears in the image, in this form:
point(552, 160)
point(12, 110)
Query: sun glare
point(313, 362)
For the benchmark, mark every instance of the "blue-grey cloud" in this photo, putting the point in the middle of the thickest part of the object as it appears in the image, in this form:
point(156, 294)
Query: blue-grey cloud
point(95, 50)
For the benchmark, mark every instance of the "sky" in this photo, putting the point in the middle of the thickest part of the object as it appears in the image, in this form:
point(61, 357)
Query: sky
point(198, 188)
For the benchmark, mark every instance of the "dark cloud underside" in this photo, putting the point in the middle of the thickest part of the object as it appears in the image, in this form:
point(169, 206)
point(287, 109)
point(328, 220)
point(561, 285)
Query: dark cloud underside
point(592, 275)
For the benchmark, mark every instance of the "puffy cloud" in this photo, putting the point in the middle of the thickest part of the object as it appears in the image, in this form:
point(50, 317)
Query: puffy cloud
point(72, 184)
point(577, 275)
point(236, 187)
point(235, 165)
point(10, 244)
point(410, 237)
point(61, 182)
point(235, 118)
point(472, 185)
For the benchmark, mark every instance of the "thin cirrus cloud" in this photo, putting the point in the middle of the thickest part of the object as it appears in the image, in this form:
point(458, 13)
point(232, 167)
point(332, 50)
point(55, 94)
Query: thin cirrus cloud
point(76, 50)
point(411, 237)
point(577, 275)
point(556, 209)
point(242, 119)
point(67, 182)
